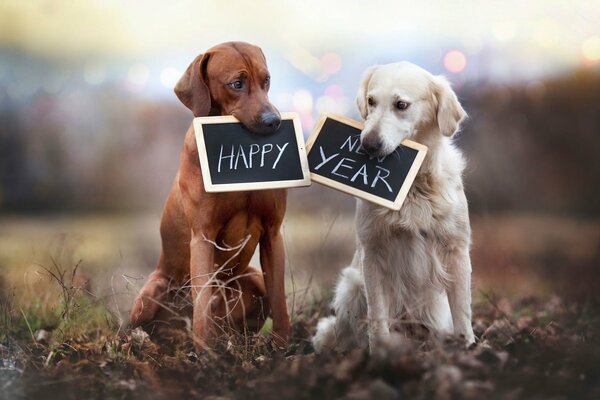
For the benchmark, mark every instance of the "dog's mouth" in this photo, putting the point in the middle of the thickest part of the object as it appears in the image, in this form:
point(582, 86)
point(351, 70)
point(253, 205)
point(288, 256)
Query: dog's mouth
point(263, 124)
point(383, 152)
point(376, 148)
point(263, 129)
point(379, 148)
point(376, 154)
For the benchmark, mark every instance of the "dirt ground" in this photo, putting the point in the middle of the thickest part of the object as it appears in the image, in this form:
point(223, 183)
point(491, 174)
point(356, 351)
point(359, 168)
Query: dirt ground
point(535, 315)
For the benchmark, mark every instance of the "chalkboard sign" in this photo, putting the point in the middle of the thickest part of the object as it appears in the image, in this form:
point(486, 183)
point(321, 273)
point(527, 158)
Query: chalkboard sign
point(336, 159)
point(232, 158)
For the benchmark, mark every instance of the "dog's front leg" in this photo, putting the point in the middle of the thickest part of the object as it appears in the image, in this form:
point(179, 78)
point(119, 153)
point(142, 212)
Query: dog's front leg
point(458, 263)
point(272, 261)
point(377, 307)
point(202, 255)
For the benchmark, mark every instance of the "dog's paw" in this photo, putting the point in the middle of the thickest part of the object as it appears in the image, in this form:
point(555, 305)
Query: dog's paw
point(324, 338)
point(468, 337)
point(149, 300)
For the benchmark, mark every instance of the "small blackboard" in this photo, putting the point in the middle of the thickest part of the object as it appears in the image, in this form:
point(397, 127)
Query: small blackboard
point(336, 159)
point(233, 159)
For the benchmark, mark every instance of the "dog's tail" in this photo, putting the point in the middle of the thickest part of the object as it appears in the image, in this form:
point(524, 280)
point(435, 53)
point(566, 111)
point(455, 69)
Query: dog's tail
point(347, 329)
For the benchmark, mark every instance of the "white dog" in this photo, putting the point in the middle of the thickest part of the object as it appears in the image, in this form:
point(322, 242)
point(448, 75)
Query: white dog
point(413, 264)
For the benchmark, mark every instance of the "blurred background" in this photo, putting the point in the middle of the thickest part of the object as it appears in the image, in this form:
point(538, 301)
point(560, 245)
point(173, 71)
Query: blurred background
point(90, 130)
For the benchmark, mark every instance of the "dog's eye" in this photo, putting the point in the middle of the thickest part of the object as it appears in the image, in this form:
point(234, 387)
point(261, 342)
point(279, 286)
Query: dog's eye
point(267, 81)
point(402, 105)
point(371, 101)
point(236, 85)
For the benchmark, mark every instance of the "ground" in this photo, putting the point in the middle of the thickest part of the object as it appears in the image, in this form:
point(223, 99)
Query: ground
point(66, 285)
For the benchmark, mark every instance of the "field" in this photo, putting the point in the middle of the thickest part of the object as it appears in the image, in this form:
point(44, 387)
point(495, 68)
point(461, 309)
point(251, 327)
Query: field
point(67, 283)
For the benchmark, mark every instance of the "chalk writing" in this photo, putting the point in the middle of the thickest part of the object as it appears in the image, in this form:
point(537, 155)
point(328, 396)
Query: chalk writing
point(251, 156)
point(371, 174)
point(337, 159)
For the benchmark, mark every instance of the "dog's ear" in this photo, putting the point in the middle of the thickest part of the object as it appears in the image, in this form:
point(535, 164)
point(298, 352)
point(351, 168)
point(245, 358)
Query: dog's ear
point(361, 96)
point(449, 112)
point(191, 88)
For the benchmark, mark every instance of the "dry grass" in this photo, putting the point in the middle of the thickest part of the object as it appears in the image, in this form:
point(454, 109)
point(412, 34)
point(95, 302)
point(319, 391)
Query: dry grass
point(67, 283)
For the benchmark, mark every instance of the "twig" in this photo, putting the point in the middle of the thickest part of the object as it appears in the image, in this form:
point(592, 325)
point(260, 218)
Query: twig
point(28, 326)
point(112, 288)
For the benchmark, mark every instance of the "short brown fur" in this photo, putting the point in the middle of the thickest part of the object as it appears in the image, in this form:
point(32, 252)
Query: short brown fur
point(194, 221)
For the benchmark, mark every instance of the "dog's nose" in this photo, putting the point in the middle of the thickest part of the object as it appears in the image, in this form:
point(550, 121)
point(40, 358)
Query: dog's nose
point(270, 121)
point(371, 144)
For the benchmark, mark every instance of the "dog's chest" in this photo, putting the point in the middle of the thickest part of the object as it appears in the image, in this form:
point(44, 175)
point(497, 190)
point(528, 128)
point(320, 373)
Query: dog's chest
point(248, 214)
point(428, 207)
point(425, 210)
point(433, 216)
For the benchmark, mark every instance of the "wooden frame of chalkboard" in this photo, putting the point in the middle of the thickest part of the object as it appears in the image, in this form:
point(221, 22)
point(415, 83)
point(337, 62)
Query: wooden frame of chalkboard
point(302, 173)
point(395, 203)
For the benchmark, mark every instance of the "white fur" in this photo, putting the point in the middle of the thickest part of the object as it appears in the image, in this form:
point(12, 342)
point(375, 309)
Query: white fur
point(411, 264)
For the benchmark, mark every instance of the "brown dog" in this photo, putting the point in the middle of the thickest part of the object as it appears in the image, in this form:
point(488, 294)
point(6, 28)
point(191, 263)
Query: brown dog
point(200, 231)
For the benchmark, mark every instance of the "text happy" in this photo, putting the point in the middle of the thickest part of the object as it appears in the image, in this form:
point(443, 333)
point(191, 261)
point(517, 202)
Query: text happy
point(250, 156)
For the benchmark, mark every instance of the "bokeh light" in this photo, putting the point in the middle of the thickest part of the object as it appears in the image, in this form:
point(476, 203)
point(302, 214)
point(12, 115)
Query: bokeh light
point(137, 77)
point(169, 77)
point(591, 48)
point(302, 101)
point(331, 63)
point(334, 91)
point(455, 61)
point(304, 61)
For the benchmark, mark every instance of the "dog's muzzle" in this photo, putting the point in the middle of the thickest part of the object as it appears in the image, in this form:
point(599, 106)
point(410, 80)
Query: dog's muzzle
point(372, 144)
